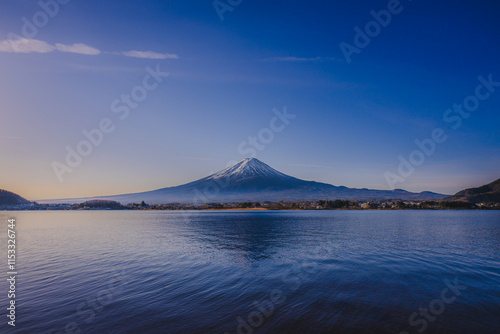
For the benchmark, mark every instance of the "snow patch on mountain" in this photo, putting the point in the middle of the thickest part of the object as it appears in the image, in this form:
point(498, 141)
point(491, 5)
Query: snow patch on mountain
point(246, 169)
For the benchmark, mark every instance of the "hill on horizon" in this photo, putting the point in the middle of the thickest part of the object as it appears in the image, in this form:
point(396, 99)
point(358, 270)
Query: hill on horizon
point(9, 198)
point(252, 180)
point(487, 193)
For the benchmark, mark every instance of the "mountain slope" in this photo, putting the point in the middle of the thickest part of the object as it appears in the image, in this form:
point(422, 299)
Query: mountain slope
point(9, 198)
point(253, 180)
point(486, 193)
point(249, 175)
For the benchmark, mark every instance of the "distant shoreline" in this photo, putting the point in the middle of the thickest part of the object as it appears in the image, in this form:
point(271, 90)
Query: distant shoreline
point(253, 209)
point(316, 205)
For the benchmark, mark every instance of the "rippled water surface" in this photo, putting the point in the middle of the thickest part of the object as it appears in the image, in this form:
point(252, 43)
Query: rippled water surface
point(256, 272)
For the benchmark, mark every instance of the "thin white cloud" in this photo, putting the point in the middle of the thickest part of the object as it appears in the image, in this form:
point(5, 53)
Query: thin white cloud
point(293, 59)
point(25, 45)
point(78, 48)
point(149, 55)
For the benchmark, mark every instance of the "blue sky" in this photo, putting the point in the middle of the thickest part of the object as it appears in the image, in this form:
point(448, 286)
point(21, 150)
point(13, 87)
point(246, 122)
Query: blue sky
point(353, 119)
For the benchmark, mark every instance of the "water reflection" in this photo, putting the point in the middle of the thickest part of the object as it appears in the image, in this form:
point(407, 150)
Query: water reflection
point(189, 272)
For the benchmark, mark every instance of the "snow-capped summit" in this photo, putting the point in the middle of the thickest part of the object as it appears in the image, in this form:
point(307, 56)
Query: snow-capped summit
point(247, 169)
point(248, 175)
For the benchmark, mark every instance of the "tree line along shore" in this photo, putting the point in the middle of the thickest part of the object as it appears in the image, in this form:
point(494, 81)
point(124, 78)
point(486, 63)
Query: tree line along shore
point(280, 205)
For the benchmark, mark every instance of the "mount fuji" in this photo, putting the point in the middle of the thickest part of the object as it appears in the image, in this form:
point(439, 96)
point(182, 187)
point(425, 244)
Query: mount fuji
point(252, 180)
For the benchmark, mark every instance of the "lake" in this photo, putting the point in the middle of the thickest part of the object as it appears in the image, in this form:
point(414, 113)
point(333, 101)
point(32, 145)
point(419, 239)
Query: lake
point(255, 272)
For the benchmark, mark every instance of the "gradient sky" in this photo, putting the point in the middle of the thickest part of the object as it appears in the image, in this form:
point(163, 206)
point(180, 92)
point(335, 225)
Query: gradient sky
point(352, 121)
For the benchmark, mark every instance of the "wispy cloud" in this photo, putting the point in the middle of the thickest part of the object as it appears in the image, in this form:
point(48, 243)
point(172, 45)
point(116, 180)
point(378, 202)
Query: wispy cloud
point(78, 48)
point(149, 55)
point(300, 59)
point(25, 45)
